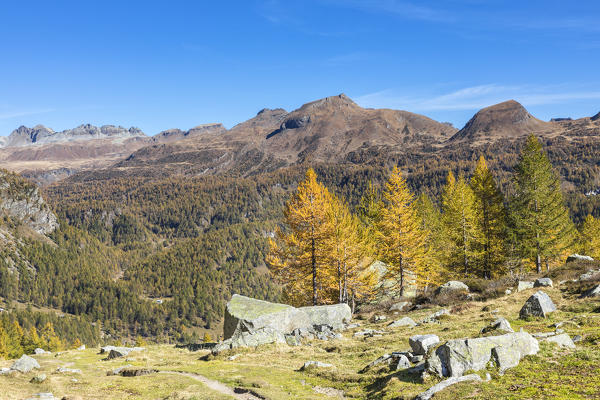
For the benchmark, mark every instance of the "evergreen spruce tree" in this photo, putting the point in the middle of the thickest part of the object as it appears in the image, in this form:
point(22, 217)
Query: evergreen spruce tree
point(590, 237)
point(300, 255)
point(460, 225)
point(402, 244)
point(490, 214)
point(542, 221)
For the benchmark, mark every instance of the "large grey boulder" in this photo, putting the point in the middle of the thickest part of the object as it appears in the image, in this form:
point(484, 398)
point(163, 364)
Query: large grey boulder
point(452, 286)
point(524, 285)
point(538, 305)
point(456, 356)
point(244, 314)
point(543, 282)
point(421, 343)
point(25, 364)
point(428, 394)
point(335, 315)
point(593, 292)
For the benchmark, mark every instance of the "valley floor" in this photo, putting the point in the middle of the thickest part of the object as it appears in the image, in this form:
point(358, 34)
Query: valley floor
point(272, 371)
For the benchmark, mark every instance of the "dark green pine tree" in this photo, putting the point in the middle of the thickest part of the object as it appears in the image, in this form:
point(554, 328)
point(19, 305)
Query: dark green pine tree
point(541, 219)
point(491, 219)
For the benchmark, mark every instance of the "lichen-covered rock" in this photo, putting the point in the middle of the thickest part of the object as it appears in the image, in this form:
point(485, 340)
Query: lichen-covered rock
point(456, 356)
point(420, 344)
point(538, 305)
point(38, 378)
point(244, 314)
point(116, 352)
point(25, 364)
point(334, 315)
point(505, 357)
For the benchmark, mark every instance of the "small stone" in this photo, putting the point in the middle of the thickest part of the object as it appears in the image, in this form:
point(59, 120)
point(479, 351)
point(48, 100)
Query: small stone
point(38, 378)
point(406, 321)
point(563, 340)
point(500, 324)
point(82, 347)
point(577, 338)
point(543, 282)
point(402, 362)
point(315, 364)
point(399, 306)
point(380, 318)
point(524, 285)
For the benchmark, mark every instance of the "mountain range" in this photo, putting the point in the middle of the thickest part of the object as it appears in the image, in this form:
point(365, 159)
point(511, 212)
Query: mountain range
point(332, 129)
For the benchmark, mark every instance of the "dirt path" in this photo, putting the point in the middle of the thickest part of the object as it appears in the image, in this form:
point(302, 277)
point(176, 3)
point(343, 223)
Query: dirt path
point(217, 386)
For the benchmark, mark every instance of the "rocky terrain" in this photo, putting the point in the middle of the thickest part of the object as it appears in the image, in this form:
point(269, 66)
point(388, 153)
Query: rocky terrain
point(525, 339)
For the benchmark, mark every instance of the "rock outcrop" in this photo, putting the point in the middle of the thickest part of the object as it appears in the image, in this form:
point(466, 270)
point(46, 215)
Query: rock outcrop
point(457, 356)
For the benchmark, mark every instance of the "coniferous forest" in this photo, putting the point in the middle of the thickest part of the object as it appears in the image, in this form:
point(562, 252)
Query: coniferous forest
point(158, 258)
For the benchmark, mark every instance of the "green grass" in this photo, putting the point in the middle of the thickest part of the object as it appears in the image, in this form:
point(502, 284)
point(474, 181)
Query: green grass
point(273, 370)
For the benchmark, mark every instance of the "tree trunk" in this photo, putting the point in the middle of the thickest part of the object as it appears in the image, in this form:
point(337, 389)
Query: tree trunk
point(314, 271)
point(538, 258)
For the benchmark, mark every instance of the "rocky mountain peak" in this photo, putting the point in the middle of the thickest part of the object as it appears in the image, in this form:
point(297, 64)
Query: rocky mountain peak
point(506, 119)
point(596, 117)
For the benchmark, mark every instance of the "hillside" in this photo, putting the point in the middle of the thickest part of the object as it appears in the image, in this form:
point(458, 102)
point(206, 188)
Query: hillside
point(273, 371)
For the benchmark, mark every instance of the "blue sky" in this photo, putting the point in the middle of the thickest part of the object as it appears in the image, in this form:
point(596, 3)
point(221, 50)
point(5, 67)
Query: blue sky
point(159, 65)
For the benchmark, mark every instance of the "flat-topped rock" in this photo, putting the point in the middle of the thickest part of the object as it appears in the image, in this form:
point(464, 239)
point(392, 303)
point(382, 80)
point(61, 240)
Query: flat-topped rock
point(578, 257)
point(563, 340)
point(452, 286)
point(244, 314)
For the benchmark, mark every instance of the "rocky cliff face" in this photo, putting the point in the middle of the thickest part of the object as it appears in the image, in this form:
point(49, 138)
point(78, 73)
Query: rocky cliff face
point(22, 201)
point(39, 134)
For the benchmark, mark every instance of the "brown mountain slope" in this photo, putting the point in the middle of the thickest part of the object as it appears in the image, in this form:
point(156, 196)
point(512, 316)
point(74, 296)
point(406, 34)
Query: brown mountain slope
point(326, 130)
point(504, 120)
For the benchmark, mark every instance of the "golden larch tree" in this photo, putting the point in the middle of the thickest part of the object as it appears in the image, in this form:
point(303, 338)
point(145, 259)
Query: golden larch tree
point(402, 244)
point(300, 255)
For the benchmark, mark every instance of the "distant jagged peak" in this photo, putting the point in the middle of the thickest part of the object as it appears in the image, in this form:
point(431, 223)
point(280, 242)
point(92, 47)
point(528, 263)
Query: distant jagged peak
point(174, 134)
point(271, 111)
point(596, 117)
point(508, 119)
